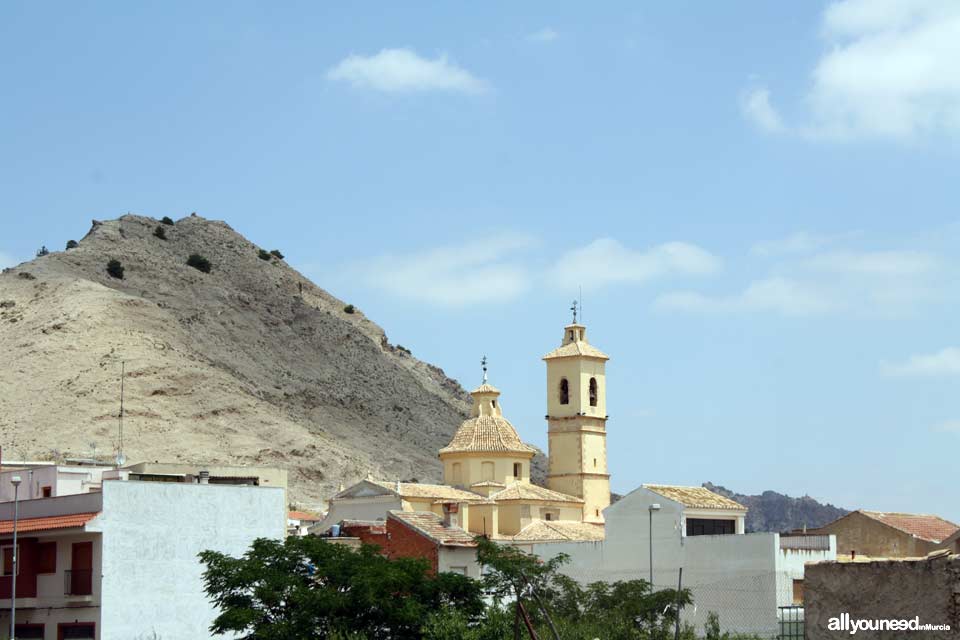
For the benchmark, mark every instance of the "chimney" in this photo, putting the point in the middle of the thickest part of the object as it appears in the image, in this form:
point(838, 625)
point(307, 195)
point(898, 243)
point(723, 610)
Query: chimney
point(204, 477)
point(450, 511)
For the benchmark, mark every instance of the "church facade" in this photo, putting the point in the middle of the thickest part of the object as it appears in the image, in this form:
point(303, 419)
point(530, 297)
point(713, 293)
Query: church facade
point(487, 488)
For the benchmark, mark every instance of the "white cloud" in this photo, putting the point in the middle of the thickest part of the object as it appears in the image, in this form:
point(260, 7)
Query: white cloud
point(950, 426)
point(755, 106)
point(473, 273)
point(546, 34)
point(799, 242)
point(402, 70)
point(605, 261)
point(778, 295)
point(878, 263)
point(942, 363)
point(888, 70)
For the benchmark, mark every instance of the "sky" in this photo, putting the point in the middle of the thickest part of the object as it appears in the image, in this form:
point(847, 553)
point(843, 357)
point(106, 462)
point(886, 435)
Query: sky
point(757, 200)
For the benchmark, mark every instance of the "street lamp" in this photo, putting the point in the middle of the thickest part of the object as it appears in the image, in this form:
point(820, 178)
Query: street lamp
point(653, 507)
point(15, 481)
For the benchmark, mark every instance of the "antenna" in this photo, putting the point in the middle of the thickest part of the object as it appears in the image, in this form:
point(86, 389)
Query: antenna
point(120, 457)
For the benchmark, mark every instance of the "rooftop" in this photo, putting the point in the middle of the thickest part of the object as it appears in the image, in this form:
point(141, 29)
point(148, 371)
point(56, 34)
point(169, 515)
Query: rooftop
point(47, 523)
point(431, 525)
point(527, 491)
point(695, 497)
point(429, 491)
point(926, 527)
point(559, 531)
point(487, 434)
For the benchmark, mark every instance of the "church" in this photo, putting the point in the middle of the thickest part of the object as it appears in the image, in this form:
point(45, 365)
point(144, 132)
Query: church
point(486, 486)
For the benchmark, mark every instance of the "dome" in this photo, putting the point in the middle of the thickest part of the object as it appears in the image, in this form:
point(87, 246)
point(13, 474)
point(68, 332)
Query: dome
point(486, 430)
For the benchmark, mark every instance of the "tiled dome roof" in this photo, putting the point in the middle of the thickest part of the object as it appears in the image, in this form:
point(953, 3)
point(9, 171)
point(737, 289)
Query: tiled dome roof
point(487, 433)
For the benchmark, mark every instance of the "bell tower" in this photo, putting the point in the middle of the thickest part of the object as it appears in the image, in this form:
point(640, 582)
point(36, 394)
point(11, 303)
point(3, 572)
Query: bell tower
point(577, 421)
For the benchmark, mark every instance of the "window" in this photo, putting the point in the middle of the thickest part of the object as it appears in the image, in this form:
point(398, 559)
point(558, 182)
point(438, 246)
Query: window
point(493, 403)
point(7, 559)
point(597, 512)
point(798, 591)
point(709, 527)
point(79, 579)
point(517, 470)
point(486, 471)
point(25, 631)
point(564, 391)
point(47, 557)
point(548, 516)
point(594, 463)
point(593, 392)
point(76, 631)
point(461, 570)
point(456, 472)
point(46, 492)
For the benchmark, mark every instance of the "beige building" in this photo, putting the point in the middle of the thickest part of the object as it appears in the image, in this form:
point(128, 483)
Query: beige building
point(486, 466)
point(876, 534)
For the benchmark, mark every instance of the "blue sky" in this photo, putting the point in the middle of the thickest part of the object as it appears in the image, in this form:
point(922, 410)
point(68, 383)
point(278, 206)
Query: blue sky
point(758, 200)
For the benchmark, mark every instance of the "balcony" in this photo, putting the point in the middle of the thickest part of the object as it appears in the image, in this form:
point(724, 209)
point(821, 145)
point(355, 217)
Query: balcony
point(78, 582)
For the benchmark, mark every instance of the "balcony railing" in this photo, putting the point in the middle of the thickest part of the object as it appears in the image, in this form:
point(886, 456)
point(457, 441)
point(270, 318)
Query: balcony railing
point(78, 582)
point(805, 542)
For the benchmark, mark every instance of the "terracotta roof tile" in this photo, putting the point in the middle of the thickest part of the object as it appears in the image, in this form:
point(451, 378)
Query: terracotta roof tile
point(431, 525)
point(304, 515)
point(47, 523)
point(487, 434)
point(923, 526)
point(430, 491)
point(695, 497)
point(579, 348)
point(527, 491)
point(559, 531)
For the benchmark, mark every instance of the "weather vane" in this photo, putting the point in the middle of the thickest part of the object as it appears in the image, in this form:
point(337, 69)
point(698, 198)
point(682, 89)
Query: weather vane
point(573, 308)
point(483, 365)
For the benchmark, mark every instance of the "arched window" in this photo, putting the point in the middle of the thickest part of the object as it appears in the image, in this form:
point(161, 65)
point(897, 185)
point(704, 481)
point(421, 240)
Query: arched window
point(486, 471)
point(564, 391)
point(517, 470)
point(593, 392)
point(457, 473)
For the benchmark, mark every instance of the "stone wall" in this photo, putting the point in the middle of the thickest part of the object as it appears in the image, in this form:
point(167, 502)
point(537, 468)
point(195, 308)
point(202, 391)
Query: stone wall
point(928, 589)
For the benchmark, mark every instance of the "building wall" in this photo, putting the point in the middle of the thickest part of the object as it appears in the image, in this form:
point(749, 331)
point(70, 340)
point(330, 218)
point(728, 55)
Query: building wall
point(63, 480)
point(734, 575)
point(471, 468)
point(452, 558)
point(866, 536)
point(152, 533)
point(358, 509)
point(928, 589)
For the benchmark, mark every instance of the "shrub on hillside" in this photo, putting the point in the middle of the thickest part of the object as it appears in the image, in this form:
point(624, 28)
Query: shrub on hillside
point(159, 232)
point(166, 220)
point(199, 263)
point(72, 244)
point(276, 253)
point(115, 269)
point(349, 308)
point(263, 254)
point(43, 251)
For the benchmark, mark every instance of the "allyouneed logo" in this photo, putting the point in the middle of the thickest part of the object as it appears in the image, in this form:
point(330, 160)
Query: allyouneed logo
point(852, 626)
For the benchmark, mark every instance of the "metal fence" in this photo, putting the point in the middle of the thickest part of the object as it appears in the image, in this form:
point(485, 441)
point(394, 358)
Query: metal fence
point(791, 623)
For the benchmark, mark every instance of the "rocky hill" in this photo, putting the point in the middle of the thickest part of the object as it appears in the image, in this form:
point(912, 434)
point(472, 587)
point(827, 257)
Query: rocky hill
point(250, 363)
point(772, 511)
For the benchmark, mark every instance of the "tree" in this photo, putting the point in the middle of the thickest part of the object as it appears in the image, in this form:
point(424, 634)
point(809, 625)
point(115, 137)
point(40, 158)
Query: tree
point(199, 263)
point(166, 220)
point(72, 244)
point(263, 254)
point(43, 251)
point(306, 587)
point(349, 309)
point(160, 232)
point(276, 254)
point(115, 269)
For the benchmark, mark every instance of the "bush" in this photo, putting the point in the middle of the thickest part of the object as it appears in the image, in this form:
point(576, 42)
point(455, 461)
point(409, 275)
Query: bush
point(264, 254)
point(276, 253)
point(349, 308)
point(159, 232)
point(199, 263)
point(115, 269)
point(72, 244)
point(166, 220)
point(43, 251)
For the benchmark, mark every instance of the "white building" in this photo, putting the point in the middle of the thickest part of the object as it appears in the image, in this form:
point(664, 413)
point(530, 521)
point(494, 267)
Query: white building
point(744, 578)
point(50, 479)
point(121, 563)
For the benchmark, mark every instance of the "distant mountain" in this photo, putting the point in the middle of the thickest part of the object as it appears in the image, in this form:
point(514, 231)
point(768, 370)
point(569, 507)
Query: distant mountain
point(772, 511)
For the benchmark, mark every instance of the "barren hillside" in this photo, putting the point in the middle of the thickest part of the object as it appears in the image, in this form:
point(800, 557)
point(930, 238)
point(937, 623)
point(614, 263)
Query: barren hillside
point(237, 365)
